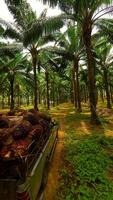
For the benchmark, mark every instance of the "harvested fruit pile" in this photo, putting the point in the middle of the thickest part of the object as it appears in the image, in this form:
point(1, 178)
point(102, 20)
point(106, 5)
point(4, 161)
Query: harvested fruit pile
point(19, 136)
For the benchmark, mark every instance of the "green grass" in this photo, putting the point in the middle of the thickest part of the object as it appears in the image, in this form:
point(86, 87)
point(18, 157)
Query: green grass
point(78, 117)
point(87, 162)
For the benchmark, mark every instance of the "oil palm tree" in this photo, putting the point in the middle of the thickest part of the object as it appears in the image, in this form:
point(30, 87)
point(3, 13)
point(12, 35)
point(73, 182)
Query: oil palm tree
point(71, 48)
point(13, 69)
point(33, 33)
point(104, 59)
point(86, 13)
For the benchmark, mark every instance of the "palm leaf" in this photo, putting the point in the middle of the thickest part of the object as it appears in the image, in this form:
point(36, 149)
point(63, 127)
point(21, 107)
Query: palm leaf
point(105, 28)
point(10, 50)
point(45, 39)
point(13, 34)
point(43, 27)
point(52, 3)
point(21, 11)
point(1, 30)
point(61, 52)
point(15, 2)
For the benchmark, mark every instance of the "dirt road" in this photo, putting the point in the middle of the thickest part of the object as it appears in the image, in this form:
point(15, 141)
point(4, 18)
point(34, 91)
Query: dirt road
point(56, 165)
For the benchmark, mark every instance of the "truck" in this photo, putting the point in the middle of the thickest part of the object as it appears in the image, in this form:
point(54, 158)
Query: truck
point(25, 177)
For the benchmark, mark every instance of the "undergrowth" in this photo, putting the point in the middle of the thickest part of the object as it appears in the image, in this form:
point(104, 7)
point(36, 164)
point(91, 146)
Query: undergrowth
point(87, 162)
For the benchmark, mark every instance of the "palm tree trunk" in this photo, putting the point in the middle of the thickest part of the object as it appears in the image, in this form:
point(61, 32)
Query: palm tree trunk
point(107, 88)
point(35, 86)
point(102, 94)
point(18, 95)
point(34, 62)
point(47, 88)
point(57, 97)
point(12, 93)
point(111, 93)
point(21, 100)
point(8, 100)
point(91, 73)
point(85, 94)
point(79, 109)
point(39, 92)
point(3, 98)
point(53, 93)
point(71, 92)
point(28, 100)
point(74, 87)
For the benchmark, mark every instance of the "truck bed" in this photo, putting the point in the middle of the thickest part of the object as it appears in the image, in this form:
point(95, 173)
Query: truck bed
point(19, 167)
point(27, 171)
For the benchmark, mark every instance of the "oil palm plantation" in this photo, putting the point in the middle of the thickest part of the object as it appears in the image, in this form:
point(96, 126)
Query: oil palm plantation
point(71, 48)
point(86, 13)
point(33, 33)
point(13, 70)
point(104, 59)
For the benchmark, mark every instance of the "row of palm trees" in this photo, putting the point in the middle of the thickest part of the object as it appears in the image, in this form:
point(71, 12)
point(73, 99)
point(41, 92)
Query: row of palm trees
point(31, 32)
point(85, 14)
point(81, 51)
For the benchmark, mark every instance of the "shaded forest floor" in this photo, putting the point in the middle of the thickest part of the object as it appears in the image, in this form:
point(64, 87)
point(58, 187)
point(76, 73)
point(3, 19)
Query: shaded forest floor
point(76, 127)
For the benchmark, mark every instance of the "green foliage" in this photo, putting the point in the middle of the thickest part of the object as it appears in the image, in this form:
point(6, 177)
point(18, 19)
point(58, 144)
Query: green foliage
point(85, 177)
point(77, 117)
point(106, 142)
point(90, 161)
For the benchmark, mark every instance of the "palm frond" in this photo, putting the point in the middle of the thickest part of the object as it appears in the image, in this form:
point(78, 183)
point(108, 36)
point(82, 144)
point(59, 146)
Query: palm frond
point(103, 12)
point(45, 39)
point(43, 27)
point(52, 3)
point(1, 30)
point(12, 34)
point(61, 52)
point(21, 11)
point(10, 50)
point(105, 28)
point(43, 14)
point(15, 2)
point(65, 5)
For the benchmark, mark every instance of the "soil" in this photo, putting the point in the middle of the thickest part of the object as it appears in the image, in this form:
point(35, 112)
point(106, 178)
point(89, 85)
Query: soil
point(56, 165)
point(53, 177)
